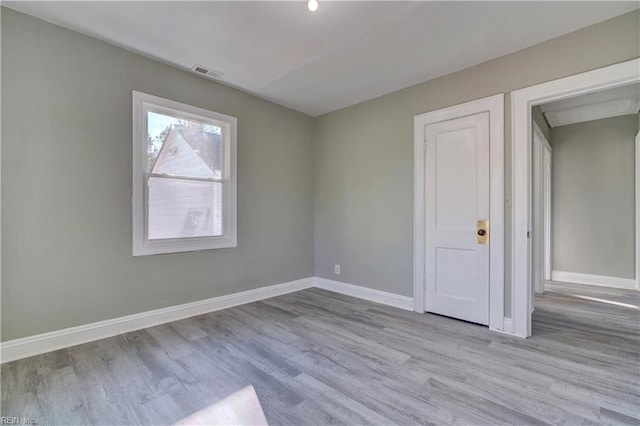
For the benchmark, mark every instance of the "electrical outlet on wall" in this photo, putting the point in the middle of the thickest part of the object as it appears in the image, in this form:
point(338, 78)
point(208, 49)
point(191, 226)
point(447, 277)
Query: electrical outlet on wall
point(336, 269)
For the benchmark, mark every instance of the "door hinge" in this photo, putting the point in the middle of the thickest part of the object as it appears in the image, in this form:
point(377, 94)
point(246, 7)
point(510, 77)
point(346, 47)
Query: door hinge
point(424, 284)
point(528, 234)
point(424, 146)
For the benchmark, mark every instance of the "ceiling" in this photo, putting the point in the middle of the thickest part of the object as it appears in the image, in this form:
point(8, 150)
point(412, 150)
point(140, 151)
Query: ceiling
point(345, 53)
point(594, 106)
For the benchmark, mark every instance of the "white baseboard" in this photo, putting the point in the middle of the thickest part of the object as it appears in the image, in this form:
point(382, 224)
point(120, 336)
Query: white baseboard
point(508, 325)
point(42, 343)
point(391, 299)
point(47, 342)
point(575, 277)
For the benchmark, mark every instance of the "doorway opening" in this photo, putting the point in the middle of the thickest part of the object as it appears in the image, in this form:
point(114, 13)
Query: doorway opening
point(624, 75)
point(583, 218)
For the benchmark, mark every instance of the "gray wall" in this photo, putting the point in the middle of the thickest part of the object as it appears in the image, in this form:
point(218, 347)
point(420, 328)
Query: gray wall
point(364, 157)
point(66, 185)
point(593, 207)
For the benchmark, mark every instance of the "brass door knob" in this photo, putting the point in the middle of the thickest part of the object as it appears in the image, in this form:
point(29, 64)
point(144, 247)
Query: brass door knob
point(483, 232)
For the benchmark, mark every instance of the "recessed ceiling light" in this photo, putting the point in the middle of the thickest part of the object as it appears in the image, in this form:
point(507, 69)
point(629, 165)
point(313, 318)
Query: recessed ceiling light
point(313, 5)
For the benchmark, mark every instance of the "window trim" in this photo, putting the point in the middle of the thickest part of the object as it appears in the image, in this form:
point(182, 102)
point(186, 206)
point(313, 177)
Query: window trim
point(143, 102)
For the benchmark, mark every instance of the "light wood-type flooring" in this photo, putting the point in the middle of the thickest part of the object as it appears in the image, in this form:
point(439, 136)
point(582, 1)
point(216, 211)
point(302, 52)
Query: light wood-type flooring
point(316, 357)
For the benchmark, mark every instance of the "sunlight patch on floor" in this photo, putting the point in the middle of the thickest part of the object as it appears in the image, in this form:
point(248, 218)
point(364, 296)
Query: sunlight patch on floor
point(239, 408)
point(610, 302)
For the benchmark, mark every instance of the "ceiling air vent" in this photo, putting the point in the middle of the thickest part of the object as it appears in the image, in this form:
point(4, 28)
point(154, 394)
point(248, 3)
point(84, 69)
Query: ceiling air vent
point(206, 72)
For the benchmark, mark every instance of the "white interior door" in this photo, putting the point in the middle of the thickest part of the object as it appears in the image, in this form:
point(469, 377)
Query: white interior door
point(547, 215)
point(456, 198)
point(537, 217)
point(541, 213)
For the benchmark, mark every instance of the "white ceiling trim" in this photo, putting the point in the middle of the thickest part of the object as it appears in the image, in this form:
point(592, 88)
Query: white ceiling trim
point(596, 106)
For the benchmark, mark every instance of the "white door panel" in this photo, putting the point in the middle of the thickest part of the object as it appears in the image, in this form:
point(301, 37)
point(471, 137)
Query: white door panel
point(452, 280)
point(455, 150)
point(456, 197)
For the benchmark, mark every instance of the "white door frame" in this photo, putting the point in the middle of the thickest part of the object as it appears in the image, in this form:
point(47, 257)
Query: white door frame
point(495, 106)
point(545, 194)
point(522, 100)
point(638, 211)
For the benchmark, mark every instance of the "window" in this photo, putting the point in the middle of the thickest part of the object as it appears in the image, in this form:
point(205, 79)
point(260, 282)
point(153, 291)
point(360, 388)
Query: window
point(184, 177)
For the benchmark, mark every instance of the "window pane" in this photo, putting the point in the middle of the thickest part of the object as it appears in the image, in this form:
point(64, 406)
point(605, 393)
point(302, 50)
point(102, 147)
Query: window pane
point(179, 208)
point(181, 147)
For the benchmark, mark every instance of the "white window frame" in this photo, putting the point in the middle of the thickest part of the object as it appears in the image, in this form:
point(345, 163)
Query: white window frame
point(142, 103)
